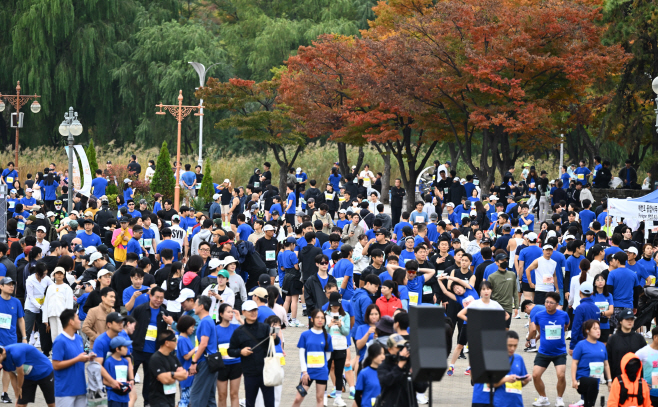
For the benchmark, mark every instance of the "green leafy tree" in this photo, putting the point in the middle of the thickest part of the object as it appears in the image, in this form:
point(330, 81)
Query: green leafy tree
point(163, 181)
point(207, 189)
point(91, 157)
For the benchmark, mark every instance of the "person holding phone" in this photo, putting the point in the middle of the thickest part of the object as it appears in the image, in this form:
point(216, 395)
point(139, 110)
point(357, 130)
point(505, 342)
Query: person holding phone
point(315, 349)
point(136, 294)
point(509, 388)
point(338, 326)
point(233, 368)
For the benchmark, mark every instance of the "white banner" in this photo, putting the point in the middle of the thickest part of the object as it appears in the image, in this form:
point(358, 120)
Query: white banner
point(642, 211)
point(85, 189)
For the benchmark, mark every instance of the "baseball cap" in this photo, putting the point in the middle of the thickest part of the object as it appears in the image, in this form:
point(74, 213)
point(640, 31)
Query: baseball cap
point(124, 219)
point(118, 341)
point(259, 292)
point(249, 305)
point(547, 247)
point(501, 256)
point(587, 287)
point(114, 317)
point(89, 213)
point(175, 217)
point(532, 236)
point(264, 280)
point(493, 198)
point(226, 181)
point(450, 204)
point(434, 216)
point(42, 228)
point(214, 263)
point(49, 214)
point(631, 249)
point(551, 233)
point(299, 213)
point(507, 227)
point(7, 280)
point(73, 224)
point(223, 273)
point(103, 272)
point(381, 231)
point(485, 240)
point(568, 236)
point(95, 256)
point(79, 248)
point(291, 239)
point(229, 260)
point(335, 299)
point(185, 294)
point(108, 162)
point(456, 179)
point(215, 197)
point(626, 314)
point(268, 227)
point(28, 190)
point(275, 213)
point(92, 283)
point(13, 191)
point(342, 211)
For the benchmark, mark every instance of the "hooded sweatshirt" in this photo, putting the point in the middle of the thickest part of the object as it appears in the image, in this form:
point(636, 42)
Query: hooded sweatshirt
point(192, 281)
point(120, 281)
point(619, 345)
point(632, 386)
point(203, 235)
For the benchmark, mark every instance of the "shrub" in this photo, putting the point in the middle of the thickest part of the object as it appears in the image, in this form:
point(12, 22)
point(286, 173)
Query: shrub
point(164, 180)
point(207, 189)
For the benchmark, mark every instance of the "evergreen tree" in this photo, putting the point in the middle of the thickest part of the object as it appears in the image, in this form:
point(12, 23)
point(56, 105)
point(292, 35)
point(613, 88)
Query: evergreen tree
point(163, 181)
point(207, 189)
point(91, 157)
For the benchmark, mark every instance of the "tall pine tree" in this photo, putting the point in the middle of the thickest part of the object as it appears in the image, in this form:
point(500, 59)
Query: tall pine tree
point(163, 180)
point(207, 189)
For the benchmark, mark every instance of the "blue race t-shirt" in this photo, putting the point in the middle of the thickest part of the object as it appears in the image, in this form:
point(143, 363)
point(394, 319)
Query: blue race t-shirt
point(10, 311)
point(49, 191)
point(264, 312)
point(292, 204)
point(603, 302)
point(586, 217)
point(223, 339)
point(125, 335)
point(467, 298)
point(276, 207)
point(528, 255)
point(98, 186)
point(245, 231)
point(360, 333)
point(509, 394)
point(65, 348)
point(183, 347)
point(591, 358)
point(551, 328)
point(118, 369)
point(129, 291)
point(188, 177)
point(334, 180)
point(207, 328)
point(89, 240)
point(344, 269)
point(35, 364)
point(415, 289)
point(368, 383)
point(102, 345)
point(10, 176)
point(316, 346)
point(623, 282)
point(536, 310)
point(169, 244)
point(134, 247)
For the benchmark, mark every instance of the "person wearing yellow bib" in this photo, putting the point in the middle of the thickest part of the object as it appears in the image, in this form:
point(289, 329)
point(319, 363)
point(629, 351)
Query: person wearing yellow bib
point(509, 388)
point(315, 349)
point(9, 175)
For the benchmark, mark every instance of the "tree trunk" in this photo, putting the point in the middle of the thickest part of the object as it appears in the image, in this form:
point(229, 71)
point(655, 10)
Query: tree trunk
point(386, 175)
point(342, 159)
point(359, 160)
point(455, 154)
point(284, 163)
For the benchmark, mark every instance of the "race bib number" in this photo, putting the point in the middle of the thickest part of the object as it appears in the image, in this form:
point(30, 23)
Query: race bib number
point(329, 197)
point(596, 370)
point(151, 333)
point(486, 388)
point(427, 289)
point(339, 342)
point(299, 179)
point(27, 369)
point(269, 255)
point(603, 306)
point(282, 359)
point(5, 321)
point(366, 179)
point(314, 360)
point(341, 199)
point(170, 388)
point(445, 190)
point(10, 180)
point(189, 230)
point(524, 228)
point(652, 280)
point(339, 281)
point(553, 332)
point(223, 349)
point(121, 373)
point(514, 388)
point(654, 380)
point(547, 280)
point(581, 176)
point(467, 301)
point(21, 225)
point(148, 242)
point(40, 300)
point(12, 204)
point(413, 298)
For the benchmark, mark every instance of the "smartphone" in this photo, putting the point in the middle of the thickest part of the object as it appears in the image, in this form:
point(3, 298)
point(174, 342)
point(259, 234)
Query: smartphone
point(144, 291)
point(301, 390)
point(335, 318)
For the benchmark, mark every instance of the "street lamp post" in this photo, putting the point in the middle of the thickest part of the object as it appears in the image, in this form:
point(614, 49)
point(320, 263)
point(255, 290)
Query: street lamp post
point(70, 127)
point(180, 112)
point(202, 71)
point(17, 101)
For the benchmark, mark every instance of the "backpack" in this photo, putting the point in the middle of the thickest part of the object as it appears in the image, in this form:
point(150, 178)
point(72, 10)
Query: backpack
point(624, 394)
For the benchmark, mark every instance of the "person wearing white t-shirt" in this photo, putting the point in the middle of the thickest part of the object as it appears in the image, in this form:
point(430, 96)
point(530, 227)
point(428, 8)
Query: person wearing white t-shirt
point(545, 275)
point(367, 176)
point(179, 234)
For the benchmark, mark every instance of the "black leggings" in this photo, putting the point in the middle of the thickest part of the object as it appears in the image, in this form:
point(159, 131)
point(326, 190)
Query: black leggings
point(339, 356)
point(589, 389)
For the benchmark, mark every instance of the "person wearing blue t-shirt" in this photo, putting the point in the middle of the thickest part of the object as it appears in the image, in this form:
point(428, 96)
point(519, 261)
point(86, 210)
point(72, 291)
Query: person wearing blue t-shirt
point(605, 303)
point(565, 177)
point(36, 369)
point(233, 369)
point(132, 212)
point(98, 184)
point(315, 348)
point(344, 272)
point(185, 349)
point(133, 244)
point(291, 204)
point(397, 229)
point(509, 389)
point(136, 294)
point(259, 295)
point(590, 363)
point(552, 324)
point(127, 190)
point(526, 257)
point(88, 237)
point(289, 278)
point(244, 230)
point(69, 361)
point(203, 388)
point(14, 316)
point(531, 309)
point(9, 175)
point(623, 282)
point(188, 178)
point(582, 173)
point(526, 219)
point(586, 216)
point(167, 243)
point(408, 252)
point(119, 367)
point(368, 387)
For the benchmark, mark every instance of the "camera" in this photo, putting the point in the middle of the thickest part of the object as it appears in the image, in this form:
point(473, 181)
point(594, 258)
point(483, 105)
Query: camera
point(406, 346)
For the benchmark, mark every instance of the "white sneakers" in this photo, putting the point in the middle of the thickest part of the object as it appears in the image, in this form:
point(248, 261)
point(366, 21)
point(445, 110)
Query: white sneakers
point(542, 401)
point(559, 402)
point(421, 398)
point(137, 378)
point(338, 401)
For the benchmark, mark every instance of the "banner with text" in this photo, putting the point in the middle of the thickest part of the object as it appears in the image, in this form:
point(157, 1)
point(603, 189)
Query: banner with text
point(642, 211)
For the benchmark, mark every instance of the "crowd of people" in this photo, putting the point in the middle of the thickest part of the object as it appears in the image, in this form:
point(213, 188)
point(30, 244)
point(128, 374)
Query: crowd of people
point(201, 298)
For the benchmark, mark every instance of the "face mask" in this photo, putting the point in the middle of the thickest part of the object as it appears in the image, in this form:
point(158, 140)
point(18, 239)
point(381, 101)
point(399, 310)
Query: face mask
point(504, 264)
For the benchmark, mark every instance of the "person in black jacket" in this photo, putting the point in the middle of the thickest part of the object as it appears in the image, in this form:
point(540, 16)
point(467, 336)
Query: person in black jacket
point(330, 197)
point(249, 342)
point(121, 278)
point(397, 197)
point(10, 268)
point(457, 191)
point(148, 316)
point(314, 291)
point(603, 176)
point(393, 373)
point(624, 341)
point(307, 256)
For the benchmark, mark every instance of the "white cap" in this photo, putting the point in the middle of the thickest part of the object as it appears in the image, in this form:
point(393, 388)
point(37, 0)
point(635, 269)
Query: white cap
point(493, 198)
point(185, 294)
point(299, 169)
point(74, 212)
point(450, 204)
point(632, 249)
point(214, 263)
point(587, 287)
point(42, 228)
point(532, 236)
point(49, 214)
point(215, 197)
point(28, 190)
point(249, 305)
point(455, 179)
point(229, 260)
point(226, 181)
point(568, 236)
point(547, 247)
point(551, 233)
point(127, 180)
point(354, 167)
point(95, 256)
point(91, 249)
point(92, 283)
point(13, 191)
point(268, 227)
point(103, 272)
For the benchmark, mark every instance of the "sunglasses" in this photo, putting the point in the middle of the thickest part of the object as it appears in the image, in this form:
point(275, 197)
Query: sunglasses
point(324, 263)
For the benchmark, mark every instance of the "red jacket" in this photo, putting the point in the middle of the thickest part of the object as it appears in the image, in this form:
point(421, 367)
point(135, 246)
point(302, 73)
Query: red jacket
point(388, 307)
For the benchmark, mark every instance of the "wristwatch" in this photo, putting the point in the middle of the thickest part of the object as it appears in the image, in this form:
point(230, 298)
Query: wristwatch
point(172, 374)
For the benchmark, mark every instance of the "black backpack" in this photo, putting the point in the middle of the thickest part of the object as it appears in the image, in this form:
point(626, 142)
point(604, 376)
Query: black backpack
point(624, 394)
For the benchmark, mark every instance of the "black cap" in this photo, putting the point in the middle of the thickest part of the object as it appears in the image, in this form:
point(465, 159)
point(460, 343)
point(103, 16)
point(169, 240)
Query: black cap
point(627, 314)
point(114, 317)
point(264, 280)
point(335, 299)
point(501, 256)
point(275, 213)
point(125, 219)
point(485, 240)
point(382, 231)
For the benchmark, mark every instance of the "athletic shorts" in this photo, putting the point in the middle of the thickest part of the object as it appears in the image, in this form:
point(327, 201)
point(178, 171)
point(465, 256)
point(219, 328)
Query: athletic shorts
point(225, 209)
point(310, 382)
point(544, 360)
point(292, 285)
point(230, 372)
point(272, 272)
point(47, 386)
point(526, 288)
point(73, 401)
point(463, 336)
point(509, 320)
point(540, 297)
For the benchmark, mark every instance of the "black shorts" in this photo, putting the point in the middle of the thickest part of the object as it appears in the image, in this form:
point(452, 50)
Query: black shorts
point(290, 219)
point(540, 297)
point(525, 287)
point(462, 339)
point(310, 382)
point(230, 372)
point(509, 320)
point(605, 334)
point(292, 285)
point(47, 385)
point(544, 360)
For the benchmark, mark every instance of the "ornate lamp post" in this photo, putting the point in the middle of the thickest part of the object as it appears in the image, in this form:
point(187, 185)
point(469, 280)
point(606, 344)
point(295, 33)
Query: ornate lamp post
point(70, 127)
point(180, 112)
point(17, 101)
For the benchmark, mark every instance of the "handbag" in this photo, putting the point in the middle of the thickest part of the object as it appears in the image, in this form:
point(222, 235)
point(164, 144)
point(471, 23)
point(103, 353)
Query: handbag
point(215, 362)
point(272, 371)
